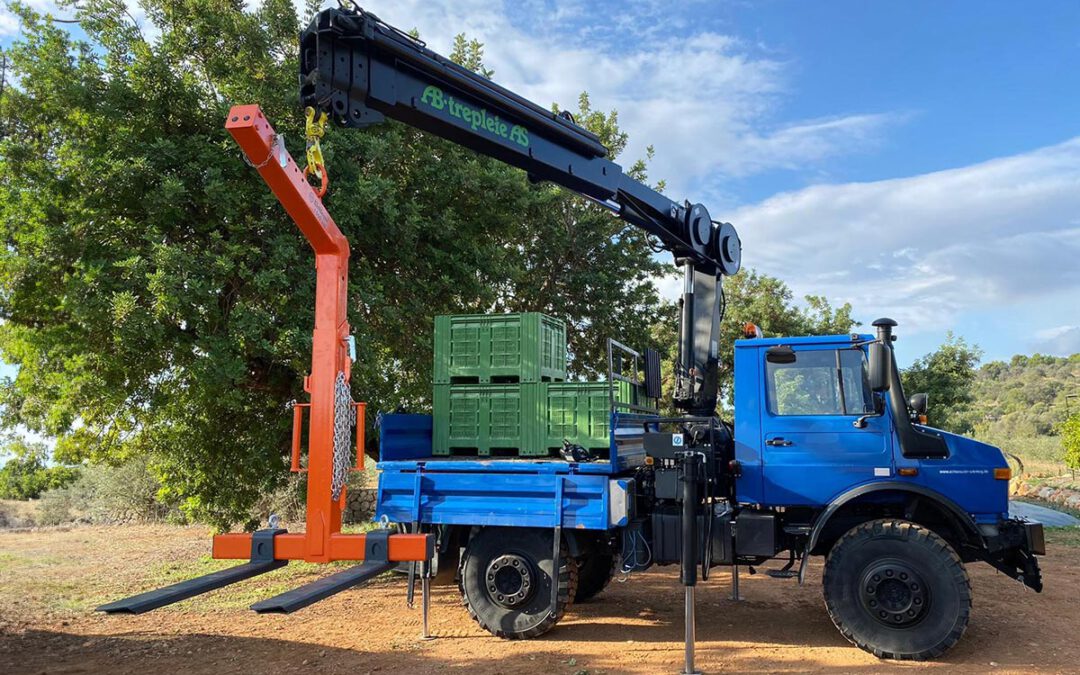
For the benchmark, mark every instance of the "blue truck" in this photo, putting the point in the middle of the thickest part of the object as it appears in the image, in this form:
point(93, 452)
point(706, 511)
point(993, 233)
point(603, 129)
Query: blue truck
point(825, 457)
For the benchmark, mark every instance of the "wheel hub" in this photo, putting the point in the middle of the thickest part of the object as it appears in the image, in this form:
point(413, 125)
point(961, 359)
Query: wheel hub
point(509, 580)
point(894, 593)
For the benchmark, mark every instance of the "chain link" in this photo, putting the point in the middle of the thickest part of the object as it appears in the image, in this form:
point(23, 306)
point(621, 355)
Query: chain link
point(276, 143)
point(344, 421)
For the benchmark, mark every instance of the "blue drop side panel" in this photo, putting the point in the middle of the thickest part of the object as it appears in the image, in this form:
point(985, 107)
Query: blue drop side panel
point(515, 499)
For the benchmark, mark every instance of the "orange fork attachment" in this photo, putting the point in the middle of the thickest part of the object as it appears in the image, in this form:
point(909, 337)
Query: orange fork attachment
point(322, 540)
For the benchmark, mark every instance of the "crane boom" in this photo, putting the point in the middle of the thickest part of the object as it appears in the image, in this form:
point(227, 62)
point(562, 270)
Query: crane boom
point(361, 71)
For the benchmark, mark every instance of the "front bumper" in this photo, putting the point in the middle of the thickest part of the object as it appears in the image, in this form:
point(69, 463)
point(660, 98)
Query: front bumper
point(1013, 548)
point(1036, 542)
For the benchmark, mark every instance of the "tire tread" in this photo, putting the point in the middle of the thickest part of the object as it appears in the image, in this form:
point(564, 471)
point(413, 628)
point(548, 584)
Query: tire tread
point(912, 532)
point(568, 582)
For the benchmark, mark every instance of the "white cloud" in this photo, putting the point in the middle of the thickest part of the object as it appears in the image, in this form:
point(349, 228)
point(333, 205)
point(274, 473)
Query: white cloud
point(927, 247)
point(705, 100)
point(1058, 341)
point(9, 24)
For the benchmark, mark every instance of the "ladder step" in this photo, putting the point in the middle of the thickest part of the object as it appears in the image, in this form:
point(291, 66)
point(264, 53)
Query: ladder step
point(144, 602)
point(309, 594)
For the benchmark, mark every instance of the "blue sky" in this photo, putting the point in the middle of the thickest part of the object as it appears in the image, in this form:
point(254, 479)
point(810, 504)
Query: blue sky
point(919, 159)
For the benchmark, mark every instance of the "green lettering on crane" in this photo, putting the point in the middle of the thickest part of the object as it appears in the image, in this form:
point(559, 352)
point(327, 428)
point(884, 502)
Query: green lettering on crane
point(477, 119)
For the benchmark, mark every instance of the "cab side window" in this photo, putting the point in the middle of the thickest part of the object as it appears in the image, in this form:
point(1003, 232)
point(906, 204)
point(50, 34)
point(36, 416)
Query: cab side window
point(820, 382)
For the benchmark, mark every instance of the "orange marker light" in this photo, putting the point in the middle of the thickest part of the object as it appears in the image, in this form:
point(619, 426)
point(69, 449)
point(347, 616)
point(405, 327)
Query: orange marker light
point(1003, 474)
point(908, 471)
point(751, 330)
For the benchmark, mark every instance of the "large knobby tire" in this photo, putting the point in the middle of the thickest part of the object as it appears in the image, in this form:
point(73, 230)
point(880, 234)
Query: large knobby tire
point(506, 577)
point(897, 590)
point(594, 574)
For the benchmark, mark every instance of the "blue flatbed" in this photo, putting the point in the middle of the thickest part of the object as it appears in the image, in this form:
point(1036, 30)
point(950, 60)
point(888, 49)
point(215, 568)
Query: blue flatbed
point(417, 487)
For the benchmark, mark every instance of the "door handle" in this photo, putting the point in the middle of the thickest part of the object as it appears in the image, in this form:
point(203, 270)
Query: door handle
point(778, 442)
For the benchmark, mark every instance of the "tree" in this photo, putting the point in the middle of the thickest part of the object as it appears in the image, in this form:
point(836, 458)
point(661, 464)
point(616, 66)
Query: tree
point(1026, 396)
point(27, 474)
point(767, 302)
point(947, 375)
point(1070, 441)
point(159, 302)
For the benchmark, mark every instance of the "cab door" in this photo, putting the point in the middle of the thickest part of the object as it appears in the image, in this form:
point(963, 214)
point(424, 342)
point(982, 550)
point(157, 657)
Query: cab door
point(811, 447)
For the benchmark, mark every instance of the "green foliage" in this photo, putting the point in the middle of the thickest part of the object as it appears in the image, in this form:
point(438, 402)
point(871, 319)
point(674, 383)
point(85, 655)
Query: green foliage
point(763, 300)
point(152, 289)
point(27, 474)
point(768, 303)
point(1021, 406)
point(470, 53)
point(103, 494)
point(948, 376)
point(311, 8)
point(1025, 396)
point(1070, 441)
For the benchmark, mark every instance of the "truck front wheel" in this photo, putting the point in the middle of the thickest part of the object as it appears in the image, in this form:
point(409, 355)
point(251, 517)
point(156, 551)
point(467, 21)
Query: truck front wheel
point(506, 578)
point(897, 590)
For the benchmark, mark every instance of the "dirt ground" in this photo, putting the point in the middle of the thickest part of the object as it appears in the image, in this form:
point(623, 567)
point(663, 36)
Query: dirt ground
point(50, 581)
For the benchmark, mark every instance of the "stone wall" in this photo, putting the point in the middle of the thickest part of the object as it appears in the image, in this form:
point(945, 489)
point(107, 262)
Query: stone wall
point(359, 505)
point(1049, 493)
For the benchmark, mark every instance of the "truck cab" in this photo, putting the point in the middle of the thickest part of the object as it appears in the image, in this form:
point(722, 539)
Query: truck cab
point(809, 429)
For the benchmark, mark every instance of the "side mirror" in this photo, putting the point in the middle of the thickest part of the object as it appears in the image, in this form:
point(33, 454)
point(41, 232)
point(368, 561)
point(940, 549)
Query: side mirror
point(780, 354)
point(880, 366)
point(918, 403)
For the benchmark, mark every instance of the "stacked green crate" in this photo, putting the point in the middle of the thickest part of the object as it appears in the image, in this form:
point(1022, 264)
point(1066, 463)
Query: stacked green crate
point(488, 348)
point(489, 374)
point(580, 412)
point(488, 420)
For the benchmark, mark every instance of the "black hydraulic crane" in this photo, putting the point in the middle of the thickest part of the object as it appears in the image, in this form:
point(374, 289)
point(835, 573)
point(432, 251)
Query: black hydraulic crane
point(361, 70)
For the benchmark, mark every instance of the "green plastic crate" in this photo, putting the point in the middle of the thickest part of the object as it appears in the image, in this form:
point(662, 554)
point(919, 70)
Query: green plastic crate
point(499, 348)
point(580, 412)
point(502, 420)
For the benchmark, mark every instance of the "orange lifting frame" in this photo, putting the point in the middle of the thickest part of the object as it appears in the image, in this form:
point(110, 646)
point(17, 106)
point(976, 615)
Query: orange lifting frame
point(322, 540)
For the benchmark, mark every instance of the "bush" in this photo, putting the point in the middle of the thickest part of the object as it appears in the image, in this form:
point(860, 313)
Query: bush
point(27, 476)
point(1039, 455)
point(16, 515)
point(1070, 441)
point(109, 495)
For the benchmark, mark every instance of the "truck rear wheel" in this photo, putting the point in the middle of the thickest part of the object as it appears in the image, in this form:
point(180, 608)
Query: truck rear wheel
point(897, 590)
point(506, 578)
point(595, 571)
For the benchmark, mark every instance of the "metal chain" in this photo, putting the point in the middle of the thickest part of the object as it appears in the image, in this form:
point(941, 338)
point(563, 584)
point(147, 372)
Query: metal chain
point(276, 143)
point(344, 421)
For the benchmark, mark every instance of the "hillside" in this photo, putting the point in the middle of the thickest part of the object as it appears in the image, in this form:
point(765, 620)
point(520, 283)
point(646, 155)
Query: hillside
point(1019, 403)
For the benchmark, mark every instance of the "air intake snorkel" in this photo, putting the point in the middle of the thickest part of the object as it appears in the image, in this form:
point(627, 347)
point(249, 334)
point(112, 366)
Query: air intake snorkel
point(914, 443)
